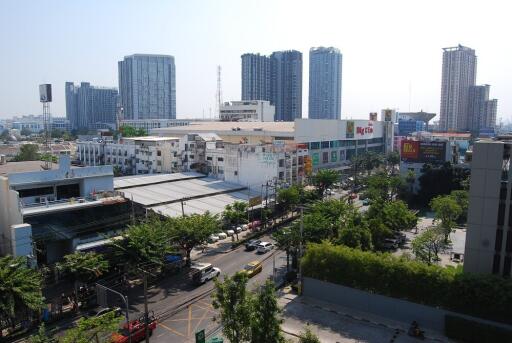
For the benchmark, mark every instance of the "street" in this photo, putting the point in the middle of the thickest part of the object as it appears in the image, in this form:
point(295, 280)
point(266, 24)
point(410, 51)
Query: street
point(182, 308)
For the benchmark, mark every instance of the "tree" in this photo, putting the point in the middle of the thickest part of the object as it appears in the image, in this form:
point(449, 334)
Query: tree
point(56, 133)
point(85, 267)
point(324, 179)
point(145, 242)
point(395, 215)
point(357, 165)
point(28, 152)
point(461, 197)
point(358, 237)
point(371, 160)
point(410, 178)
point(447, 210)
point(266, 323)
point(4, 135)
point(235, 214)
point(288, 198)
point(384, 186)
point(130, 131)
point(393, 159)
point(117, 171)
point(99, 328)
point(190, 231)
point(440, 180)
point(20, 287)
point(25, 131)
point(41, 336)
point(234, 303)
point(308, 336)
point(427, 245)
point(49, 157)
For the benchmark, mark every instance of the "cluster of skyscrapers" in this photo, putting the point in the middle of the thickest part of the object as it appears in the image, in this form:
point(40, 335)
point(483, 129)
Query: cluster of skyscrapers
point(465, 106)
point(278, 78)
point(147, 85)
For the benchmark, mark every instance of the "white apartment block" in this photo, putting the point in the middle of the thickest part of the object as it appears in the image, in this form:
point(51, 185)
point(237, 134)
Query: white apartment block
point(489, 234)
point(250, 110)
point(134, 155)
point(253, 165)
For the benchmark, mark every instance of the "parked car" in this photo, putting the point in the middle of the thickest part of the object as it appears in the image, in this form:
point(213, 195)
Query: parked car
point(366, 202)
point(264, 247)
point(252, 268)
point(101, 311)
point(353, 196)
point(252, 244)
point(136, 329)
point(400, 238)
point(254, 225)
point(221, 235)
point(245, 227)
point(213, 238)
point(202, 272)
point(390, 243)
point(238, 229)
point(328, 191)
point(230, 232)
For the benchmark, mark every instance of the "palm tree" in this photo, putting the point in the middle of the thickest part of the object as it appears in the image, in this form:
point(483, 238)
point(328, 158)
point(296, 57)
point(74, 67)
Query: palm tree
point(392, 159)
point(20, 288)
point(324, 179)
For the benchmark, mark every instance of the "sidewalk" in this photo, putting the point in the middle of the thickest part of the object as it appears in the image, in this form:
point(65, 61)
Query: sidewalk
point(333, 323)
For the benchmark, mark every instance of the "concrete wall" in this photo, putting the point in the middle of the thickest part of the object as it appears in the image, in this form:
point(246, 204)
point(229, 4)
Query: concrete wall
point(10, 214)
point(391, 308)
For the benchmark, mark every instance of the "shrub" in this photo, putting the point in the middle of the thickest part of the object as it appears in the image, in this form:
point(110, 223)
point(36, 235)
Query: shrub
point(485, 296)
point(475, 332)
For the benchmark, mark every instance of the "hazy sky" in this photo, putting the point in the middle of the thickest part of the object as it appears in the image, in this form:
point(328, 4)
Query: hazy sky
point(391, 49)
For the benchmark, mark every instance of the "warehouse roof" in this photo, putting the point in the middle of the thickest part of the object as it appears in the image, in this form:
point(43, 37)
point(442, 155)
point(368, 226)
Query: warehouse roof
point(226, 128)
point(164, 193)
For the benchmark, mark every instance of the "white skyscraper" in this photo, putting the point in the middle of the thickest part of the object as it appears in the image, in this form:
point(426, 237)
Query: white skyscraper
point(147, 87)
point(459, 73)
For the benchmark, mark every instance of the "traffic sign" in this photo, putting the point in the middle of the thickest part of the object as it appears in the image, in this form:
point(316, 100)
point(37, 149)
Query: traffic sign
point(200, 336)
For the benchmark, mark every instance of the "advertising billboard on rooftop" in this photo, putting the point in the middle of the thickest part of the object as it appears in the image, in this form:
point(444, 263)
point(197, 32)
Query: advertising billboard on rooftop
point(422, 152)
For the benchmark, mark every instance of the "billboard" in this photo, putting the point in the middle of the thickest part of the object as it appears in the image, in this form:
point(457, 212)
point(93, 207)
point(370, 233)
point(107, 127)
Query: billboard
point(350, 129)
point(373, 116)
point(45, 93)
point(422, 152)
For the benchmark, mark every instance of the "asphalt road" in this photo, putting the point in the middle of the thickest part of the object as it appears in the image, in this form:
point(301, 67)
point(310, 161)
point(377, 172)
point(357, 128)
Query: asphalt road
point(183, 309)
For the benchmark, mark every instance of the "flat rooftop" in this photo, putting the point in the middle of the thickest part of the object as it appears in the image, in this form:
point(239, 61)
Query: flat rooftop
point(164, 193)
point(145, 180)
point(151, 138)
point(22, 167)
point(220, 128)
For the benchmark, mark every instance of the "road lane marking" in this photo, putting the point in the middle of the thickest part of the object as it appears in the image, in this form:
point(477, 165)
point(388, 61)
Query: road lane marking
point(189, 319)
point(201, 320)
point(203, 308)
point(206, 304)
point(172, 330)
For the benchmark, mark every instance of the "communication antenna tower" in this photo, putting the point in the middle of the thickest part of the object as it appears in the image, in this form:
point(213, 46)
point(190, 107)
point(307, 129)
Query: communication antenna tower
point(45, 97)
point(218, 95)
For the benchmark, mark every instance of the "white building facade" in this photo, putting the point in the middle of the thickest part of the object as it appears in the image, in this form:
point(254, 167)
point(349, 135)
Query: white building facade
point(253, 110)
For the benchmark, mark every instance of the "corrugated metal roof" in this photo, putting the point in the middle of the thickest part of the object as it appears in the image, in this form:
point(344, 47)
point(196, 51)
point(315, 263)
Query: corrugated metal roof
point(141, 180)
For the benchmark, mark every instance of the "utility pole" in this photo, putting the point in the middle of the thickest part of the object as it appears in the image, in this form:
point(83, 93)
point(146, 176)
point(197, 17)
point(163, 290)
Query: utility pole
point(182, 208)
point(125, 299)
point(146, 319)
point(300, 248)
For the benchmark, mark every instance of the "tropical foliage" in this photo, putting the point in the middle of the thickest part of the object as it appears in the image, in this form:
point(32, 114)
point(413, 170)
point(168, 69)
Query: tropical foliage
point(487, 296)
point(20, 288)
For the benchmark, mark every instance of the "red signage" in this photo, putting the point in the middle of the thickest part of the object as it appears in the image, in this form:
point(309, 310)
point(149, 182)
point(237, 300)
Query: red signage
point(409, 150)
point(364, 130)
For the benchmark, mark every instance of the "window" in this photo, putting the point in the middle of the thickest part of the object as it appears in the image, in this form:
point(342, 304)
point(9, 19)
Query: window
point(499, 240)
point(35, 192)
point(158, 163)
point(501, 214)
point(191, 157)
point(236, 172)
point(158, 153)
point(325, 157)
point(325, 145)
point(209, 158)
point(506, 266)
point(281, 175)
point(220, 159)
point(508, 245)
point(281, 163)
point(314, 145)
point(496, 264)
point(503, 191)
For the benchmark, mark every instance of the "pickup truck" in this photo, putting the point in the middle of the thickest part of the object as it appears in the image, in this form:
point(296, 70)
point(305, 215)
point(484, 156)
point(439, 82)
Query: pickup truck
point(136, 329)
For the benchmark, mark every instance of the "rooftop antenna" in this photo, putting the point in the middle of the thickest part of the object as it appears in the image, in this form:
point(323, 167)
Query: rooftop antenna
point(45, 97)
point(218, 95)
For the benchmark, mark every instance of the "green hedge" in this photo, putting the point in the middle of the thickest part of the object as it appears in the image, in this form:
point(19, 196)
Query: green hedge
point(486, 296)
point(474, 332)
